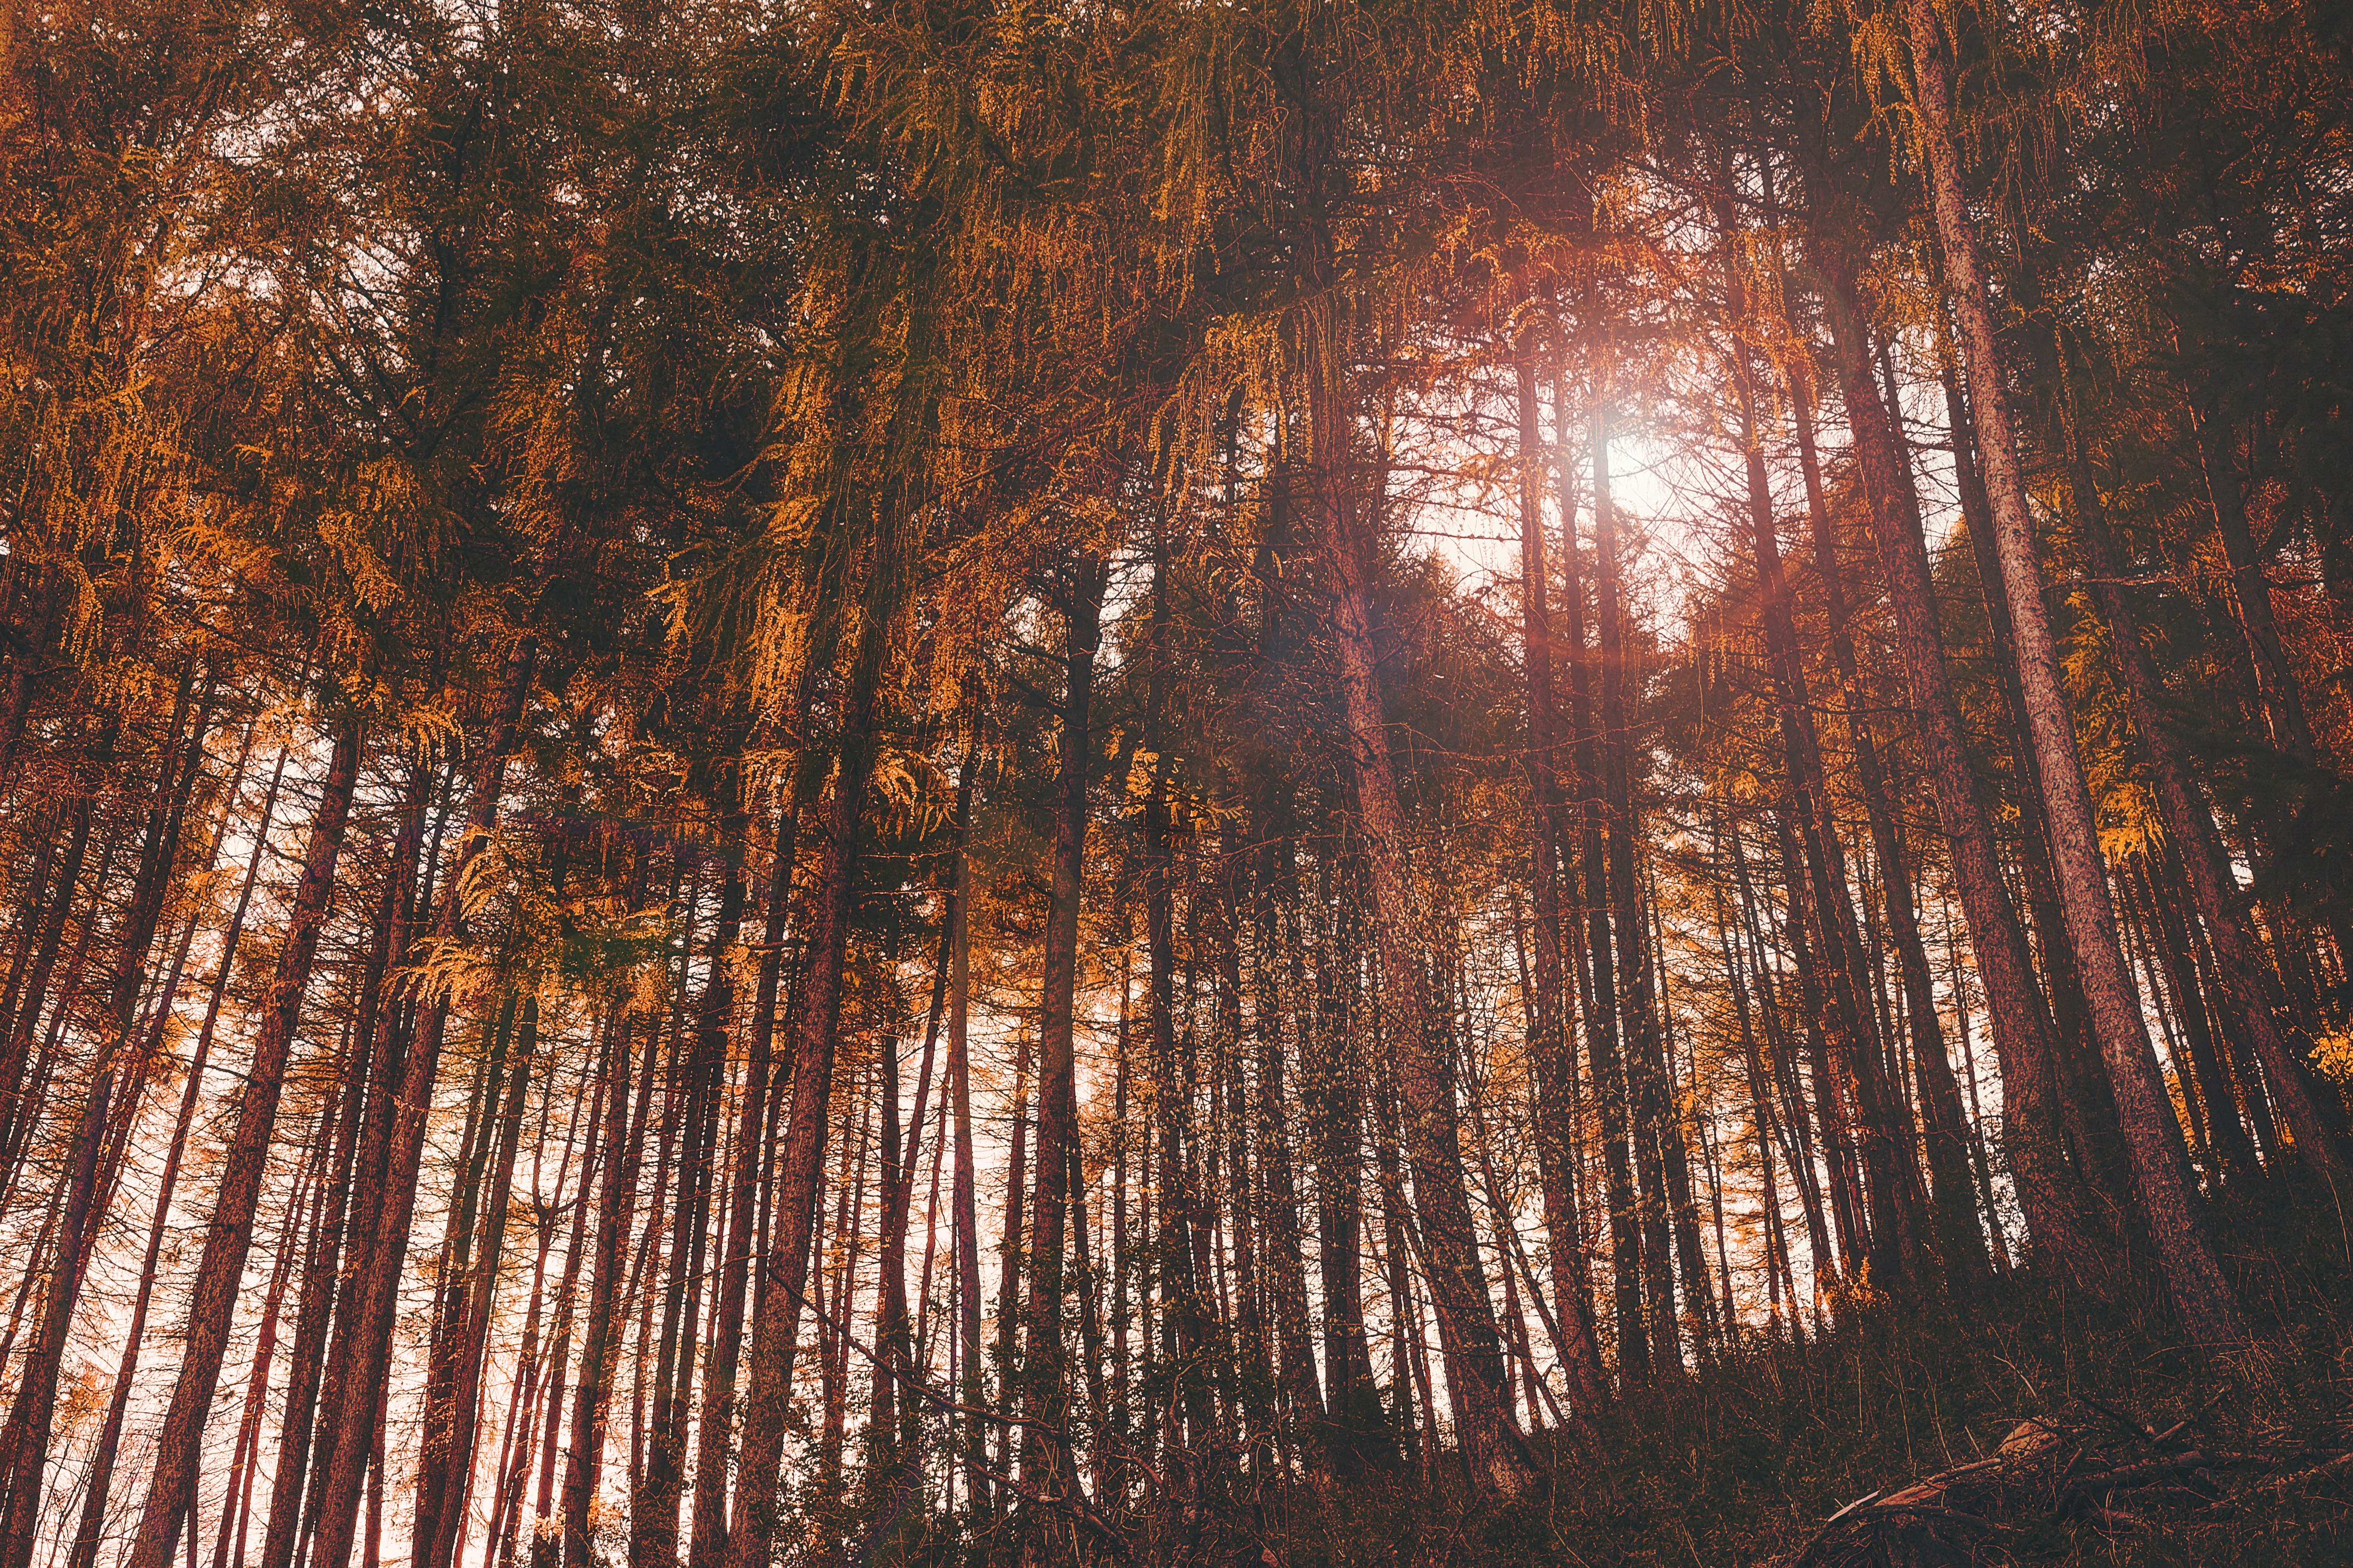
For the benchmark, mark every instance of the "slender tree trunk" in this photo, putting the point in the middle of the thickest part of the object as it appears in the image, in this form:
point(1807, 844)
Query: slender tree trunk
point(1045, 1400)
point(894, 1329)
point(372, 1069)
point(237, 1501)
point(213, 1298)
point(600, 1341)
point(1286, 1264)
point(24, 1081)
point(2058, 1227)
point(715, 1437)
point(1883, 1126)
point(1778, 1074)
point(768, 1393)
point(1332, 1091)
point(1497, 1457)
point(376, 1289)
point(1637, 998)
point(2277, 688)
point(654, 1515)
point(85, 1542)
point(1959, 1243)
point(606, 1102)
point(1010, 1244)
point(964, 1197)
point(1602, 1013)
point(2209, 1307)
point(2087, 1104)
point(1555, 1066)
point(1977, 1113)
point(1184, 1317)
point(2190, 826)
point(103, 1127)
point(446, 1545)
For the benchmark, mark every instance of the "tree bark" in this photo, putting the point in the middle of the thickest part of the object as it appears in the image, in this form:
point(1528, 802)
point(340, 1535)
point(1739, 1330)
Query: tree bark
point(2191, 824)
point(213, 1296)
point(768, 1390)
point(1548, 1044)
point(376, 1289)
point(1601, 1015)
point(100, 1130)
point(1497, 1457)
point(2058, 1227)
point(2209, 1308)
point(1045, 1372)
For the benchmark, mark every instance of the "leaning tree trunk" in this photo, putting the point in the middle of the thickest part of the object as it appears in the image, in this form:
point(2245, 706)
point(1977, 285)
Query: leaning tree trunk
point(2057, 1224)
point(2209, 1308)
point(1496, 1457)
point(101, 1464)
point(1046, 1377)
point(376, 1289)
point(1945, 1125)
point(1891, 1178)
point(769, 1393)
point(213, 1299)
point(1555, 1066)
point(2191, 827)
point(102, 1124)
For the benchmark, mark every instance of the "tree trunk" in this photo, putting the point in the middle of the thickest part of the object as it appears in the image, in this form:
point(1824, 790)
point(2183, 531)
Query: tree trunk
point(376, 1289)
point(2209, 1308)
point(213, 1299)
point(1881, 1120)
point(1497, 1459)
point(592, 1395)
point(1548, 1046)
point(1601, 1014)
point(101, 1127)
point(963, 1199)
point(2277, 688)
point(2190, 826)
point(768, 1393)
point(1286, 1264)
point(102, 1468)
point(2057, 1225)
point(1046, 1385)
point(1637, 999)
point(368, 1081)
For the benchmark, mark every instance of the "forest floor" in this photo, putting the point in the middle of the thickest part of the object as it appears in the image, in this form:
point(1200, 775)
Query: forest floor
point(1882, 1442)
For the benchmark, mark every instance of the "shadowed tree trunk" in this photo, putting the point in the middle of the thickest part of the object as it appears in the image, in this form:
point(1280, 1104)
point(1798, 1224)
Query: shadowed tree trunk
point(1495, 1455)
point(101, 1127)
point(399, 1146)
point(2202, 1295)
point(1601, 1014)
point(1555, 1064)
point(220, 1274)
point(1047, 1460)
point(768, 1389)
point(2191, 824)
point(2058, 1227)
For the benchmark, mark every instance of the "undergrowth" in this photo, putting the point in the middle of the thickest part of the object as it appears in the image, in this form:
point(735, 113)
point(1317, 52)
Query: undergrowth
point(1742, 1460)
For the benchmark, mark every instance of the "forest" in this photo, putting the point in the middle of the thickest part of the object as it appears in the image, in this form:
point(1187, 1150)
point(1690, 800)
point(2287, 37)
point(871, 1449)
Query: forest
point(1166, 782)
